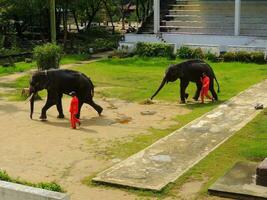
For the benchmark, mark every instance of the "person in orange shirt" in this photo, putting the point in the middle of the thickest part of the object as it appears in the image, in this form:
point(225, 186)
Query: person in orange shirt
point(74, 107)
point(205, 80)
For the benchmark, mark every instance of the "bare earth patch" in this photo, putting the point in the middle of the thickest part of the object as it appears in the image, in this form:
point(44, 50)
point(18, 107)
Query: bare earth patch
point(51, 151)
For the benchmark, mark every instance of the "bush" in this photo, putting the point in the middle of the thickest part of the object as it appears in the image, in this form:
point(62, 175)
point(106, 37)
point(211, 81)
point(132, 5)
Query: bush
point(229, 57)
point(197, 53)
point(145, 49)
point(243, 56)
point(211, 57)
point(185, 52)
point(257, 57)
point(122, 53)
point(104, 44)
point(47, 56)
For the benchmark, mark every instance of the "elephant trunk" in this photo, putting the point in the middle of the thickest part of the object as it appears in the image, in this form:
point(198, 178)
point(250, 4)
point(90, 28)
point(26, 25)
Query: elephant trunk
point(160, 87)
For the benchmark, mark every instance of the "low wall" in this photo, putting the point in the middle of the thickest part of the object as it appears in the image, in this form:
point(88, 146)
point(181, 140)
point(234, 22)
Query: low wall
point(12, 191)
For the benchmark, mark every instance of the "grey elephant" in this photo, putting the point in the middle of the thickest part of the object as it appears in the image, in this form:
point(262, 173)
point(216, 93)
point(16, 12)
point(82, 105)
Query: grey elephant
point(189, 71)
point(58, 82)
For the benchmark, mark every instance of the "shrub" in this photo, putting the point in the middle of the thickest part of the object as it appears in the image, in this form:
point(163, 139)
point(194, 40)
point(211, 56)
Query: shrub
point(229, 56)
point(47, 56)
point(185, 52)
point(257, 57)
point(154, 49)
point(121, 53)
point(211, 57)
point(243, 56)
point(197, 53)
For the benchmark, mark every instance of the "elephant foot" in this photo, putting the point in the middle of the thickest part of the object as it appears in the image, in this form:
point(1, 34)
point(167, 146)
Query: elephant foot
point(182, 102)
point(43, 117)
point(99, 111)
point(61, 116)
point(186, 95)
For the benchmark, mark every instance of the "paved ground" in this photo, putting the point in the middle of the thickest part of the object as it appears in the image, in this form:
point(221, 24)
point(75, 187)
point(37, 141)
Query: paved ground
point(166, 160)
point(240, 183)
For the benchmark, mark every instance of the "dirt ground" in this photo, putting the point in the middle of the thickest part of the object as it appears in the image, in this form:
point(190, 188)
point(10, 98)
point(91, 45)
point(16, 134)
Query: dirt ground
point(51, 151)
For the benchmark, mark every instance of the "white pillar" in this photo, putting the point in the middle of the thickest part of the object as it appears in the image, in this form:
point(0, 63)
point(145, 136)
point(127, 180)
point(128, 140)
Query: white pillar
point(237, 17)
point(156, 16)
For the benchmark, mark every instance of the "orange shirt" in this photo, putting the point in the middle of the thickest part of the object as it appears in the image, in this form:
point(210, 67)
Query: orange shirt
point(74, 105)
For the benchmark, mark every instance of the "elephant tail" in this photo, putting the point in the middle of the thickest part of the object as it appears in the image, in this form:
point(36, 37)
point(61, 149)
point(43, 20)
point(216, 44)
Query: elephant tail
point(217, 84)
point(92, 88)
point(215, 78)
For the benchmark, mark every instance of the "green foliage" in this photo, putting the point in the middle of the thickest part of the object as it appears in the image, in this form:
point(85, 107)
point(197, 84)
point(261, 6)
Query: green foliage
point(185, 52)
point(121, 53)
point(102, 44)
point(47, 56)
point(257, 57)
point(243, 56)
point(229, 57)
point(211, 57)
point(198, 54)
point(145, 49)
point(47, 186)
point(50, 186)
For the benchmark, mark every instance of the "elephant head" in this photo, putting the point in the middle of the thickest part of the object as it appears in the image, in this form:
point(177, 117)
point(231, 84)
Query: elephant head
point(173, 72)
point(39, 81)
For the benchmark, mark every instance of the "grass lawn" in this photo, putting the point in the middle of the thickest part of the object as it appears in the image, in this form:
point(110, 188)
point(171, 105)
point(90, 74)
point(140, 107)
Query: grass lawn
point(22, 66)
point(136, 79)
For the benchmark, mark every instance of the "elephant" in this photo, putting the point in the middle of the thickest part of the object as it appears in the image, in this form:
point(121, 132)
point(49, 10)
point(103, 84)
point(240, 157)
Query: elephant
point(58, 82)
point(189, 71)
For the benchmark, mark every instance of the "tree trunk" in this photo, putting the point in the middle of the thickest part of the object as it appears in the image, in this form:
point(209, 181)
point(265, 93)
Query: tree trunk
point(65, 24)
point(76, 20)
point(110, 17)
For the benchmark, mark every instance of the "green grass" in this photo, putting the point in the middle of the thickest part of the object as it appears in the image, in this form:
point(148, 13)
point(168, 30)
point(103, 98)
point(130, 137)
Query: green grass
point(136, 79)
point(47, 186)
point(22, 66)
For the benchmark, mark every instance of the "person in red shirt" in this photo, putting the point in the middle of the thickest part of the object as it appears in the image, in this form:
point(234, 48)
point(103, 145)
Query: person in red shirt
point(74, 107)
point(205, 80)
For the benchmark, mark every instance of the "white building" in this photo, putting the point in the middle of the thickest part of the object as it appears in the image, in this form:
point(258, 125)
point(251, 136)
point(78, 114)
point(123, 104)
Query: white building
point(225, 25)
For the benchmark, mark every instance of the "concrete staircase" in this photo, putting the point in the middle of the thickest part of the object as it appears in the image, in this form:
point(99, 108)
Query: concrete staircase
point(211, 17)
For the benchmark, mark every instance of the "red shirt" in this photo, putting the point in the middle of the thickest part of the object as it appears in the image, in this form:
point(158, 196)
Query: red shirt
point(205, 82)
point(74, 105)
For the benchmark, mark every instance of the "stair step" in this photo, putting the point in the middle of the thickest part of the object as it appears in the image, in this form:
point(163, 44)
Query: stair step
point(213, 23)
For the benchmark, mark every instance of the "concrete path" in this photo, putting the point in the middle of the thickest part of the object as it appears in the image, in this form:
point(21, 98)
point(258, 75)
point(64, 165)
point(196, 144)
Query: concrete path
point(167, 159)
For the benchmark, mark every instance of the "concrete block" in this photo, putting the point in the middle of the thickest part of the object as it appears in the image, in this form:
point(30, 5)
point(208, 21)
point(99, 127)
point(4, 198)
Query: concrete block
point(261, 173)
point(13, 191)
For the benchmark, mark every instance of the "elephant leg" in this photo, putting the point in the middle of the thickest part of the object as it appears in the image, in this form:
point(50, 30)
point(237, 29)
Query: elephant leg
point(51, 100)
point(97, 107)
point(214, 94)
point(183, 86)
point(199, 86)
point(79, 109)
point(59, 107)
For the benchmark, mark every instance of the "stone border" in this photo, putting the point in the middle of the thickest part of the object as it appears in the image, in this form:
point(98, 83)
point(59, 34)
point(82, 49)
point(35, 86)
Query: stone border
point(13, 191)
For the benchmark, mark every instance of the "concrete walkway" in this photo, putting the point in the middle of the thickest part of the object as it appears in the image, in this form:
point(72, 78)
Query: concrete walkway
point(170, 157)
